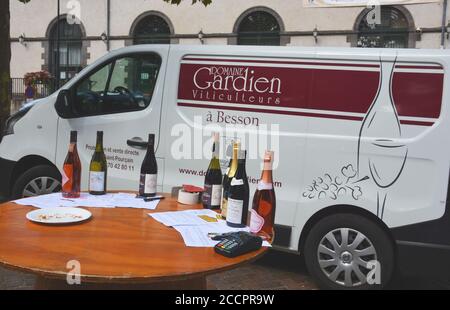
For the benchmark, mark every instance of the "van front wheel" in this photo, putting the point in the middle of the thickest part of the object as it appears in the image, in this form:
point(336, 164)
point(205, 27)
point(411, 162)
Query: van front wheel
point(348, 251)
point(39, 180)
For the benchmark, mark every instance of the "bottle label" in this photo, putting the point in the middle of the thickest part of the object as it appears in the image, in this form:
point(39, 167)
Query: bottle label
point(223, 205)
point(67, 177)
point(224, 208)
point(216, 195)
point(96, 181)
point(264, 186)
point(64, 177)
point(234, 211)
point(212, 195)
point(235, 182)
point(256, 222)
point(148, 183)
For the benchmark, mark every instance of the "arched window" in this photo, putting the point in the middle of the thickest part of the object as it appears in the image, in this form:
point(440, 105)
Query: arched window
point(392, 32)
point(70, 49)
point(152, 29)
point(259, 28)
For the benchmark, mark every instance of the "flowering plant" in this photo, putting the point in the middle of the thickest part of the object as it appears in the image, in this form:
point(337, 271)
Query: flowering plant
point(40, 77)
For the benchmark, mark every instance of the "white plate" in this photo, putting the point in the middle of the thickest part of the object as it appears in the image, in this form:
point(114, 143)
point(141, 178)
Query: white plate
point(59, 216)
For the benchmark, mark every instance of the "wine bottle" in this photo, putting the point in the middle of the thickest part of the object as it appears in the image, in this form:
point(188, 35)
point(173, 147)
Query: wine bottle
point(238, 195)
point(227, 178)
point(213, 179)
point(149, 170)
point(98, 168)
point(71, 178)
point(229, 154)
point(262, 215)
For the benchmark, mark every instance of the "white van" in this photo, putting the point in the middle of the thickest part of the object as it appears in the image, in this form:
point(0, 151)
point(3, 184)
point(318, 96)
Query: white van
point(361, 139)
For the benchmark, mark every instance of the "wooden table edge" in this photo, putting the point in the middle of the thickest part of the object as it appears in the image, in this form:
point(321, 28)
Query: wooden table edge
point(57, 275)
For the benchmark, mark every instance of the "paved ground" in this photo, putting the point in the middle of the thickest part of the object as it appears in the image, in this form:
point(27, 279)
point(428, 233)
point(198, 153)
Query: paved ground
point(10, 280)
point(275, 271)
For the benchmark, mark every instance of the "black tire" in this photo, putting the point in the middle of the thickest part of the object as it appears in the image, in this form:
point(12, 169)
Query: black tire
point(376, 235)
point(34, 173)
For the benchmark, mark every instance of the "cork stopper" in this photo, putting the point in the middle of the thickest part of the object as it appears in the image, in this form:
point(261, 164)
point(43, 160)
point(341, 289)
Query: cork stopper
point(73, 136)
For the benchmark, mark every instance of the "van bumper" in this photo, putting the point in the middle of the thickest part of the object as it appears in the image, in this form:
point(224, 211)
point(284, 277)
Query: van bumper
point(6, 168)
point(423, 259)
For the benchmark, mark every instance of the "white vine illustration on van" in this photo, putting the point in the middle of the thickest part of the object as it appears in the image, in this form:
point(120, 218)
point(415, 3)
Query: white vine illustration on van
point(380, 156)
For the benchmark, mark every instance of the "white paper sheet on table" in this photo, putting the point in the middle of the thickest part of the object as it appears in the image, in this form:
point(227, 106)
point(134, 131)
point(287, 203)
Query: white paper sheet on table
point(193, 229)
point(126, 200)
point(183, 218)
point(46, 201)
point(123, 200)
point(197, 236)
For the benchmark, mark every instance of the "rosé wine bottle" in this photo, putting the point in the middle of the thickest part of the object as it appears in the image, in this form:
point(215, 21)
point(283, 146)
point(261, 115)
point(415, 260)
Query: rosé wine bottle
point(262, 215)
point(71, 180)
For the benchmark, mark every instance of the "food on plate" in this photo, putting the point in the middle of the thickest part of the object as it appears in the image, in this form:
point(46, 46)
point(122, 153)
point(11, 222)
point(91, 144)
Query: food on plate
point(49, 217)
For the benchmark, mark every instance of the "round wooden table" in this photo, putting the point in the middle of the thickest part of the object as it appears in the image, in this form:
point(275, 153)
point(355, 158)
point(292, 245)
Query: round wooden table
point(117, 248)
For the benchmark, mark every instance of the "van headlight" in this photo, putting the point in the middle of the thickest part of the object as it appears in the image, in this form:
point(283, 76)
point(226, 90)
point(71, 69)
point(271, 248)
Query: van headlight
point(12, 120)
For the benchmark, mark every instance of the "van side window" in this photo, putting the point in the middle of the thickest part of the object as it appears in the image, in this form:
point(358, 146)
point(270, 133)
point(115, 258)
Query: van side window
point(124, 85)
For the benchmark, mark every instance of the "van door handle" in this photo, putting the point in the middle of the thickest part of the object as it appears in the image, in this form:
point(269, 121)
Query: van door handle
point(137, 143)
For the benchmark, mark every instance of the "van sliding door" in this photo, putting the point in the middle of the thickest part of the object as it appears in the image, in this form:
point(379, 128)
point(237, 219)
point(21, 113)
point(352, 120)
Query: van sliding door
point(345, 86)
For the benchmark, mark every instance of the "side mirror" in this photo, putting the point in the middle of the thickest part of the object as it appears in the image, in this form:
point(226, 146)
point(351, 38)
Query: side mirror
point(63, 105)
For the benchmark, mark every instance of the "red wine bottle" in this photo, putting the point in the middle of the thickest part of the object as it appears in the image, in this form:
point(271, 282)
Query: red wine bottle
point(149, 170)
point(262, 215)
point(71, 178)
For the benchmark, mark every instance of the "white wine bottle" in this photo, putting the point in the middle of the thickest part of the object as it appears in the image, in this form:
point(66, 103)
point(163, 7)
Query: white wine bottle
point(98, 168)
point(238, 195)
point(227, 178)
point(212, 195)
point(149, 170)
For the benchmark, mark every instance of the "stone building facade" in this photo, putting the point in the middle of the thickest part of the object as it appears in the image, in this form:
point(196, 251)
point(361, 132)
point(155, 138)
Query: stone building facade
point(105, 25)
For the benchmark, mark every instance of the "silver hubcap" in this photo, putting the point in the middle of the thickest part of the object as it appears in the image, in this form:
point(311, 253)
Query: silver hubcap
point(343, 255)
point(41, 186)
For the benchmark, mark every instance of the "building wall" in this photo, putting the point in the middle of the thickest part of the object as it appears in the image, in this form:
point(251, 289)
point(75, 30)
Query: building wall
point(33, 20)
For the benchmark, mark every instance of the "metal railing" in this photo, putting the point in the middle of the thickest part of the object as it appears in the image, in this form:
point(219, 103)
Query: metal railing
point(18, 87)
point(41, 90)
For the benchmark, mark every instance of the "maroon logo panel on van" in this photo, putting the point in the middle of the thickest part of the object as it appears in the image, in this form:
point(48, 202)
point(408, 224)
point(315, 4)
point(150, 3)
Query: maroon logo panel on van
point(325, 89)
